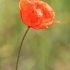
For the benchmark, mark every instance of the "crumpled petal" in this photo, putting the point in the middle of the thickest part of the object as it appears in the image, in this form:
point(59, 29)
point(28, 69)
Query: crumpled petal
point(45, 25)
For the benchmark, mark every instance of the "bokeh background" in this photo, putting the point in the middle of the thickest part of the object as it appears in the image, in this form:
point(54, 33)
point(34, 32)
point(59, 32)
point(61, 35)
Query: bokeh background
point(47, 49)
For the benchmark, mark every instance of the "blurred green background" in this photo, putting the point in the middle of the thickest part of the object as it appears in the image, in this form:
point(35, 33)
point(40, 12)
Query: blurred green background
point(47, 49)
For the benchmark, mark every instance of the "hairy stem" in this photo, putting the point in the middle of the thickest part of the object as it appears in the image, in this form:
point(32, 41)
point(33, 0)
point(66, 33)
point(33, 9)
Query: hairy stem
point(20, 48)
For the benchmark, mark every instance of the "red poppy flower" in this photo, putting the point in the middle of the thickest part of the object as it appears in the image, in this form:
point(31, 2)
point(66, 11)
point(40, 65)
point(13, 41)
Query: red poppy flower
point(36, 14)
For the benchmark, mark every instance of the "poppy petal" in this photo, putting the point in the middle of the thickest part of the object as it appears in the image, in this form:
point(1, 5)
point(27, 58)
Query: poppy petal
point(45, 25)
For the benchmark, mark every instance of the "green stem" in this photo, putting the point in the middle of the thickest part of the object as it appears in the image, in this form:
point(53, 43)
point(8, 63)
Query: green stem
point(20, 47)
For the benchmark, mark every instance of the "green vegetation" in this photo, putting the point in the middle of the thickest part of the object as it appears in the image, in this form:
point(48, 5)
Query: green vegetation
point(47, 49)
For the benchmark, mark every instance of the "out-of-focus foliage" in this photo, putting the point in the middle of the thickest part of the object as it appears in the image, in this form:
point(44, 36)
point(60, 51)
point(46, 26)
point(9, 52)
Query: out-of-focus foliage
point(47, 49)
